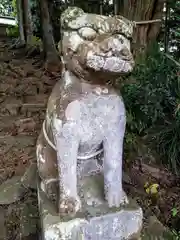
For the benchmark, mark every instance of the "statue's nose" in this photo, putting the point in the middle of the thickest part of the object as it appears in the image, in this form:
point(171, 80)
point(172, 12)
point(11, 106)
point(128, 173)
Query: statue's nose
point(125, 52)
point(105, 47)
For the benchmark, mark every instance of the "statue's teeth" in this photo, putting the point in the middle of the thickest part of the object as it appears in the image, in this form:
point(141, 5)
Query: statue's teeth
point(109, 54)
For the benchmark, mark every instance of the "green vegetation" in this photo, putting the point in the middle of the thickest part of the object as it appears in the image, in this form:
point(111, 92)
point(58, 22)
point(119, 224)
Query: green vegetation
point(153, 102)
point(175, 235)
point(12, 31)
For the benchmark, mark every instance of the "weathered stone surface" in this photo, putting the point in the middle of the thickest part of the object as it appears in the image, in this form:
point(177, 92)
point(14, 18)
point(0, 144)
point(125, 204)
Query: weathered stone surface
point(126, 178)
point(155, 230)
point(29, 219)
point(29, 180)
point(13, 106)
point(2, 224)
point(28, 109)
point(7, 122)
point(25, 124)
point(83, 113)
point(86, 117)
point(33, 104)
point(85, 110)
point(22, 141)
point(39, 99)
point(11, 190)
point(25, 89)
point(95, 221)
point(5, 87)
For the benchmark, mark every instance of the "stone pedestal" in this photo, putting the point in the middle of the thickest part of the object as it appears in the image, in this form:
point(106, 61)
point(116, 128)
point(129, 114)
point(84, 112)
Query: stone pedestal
point(96, 221)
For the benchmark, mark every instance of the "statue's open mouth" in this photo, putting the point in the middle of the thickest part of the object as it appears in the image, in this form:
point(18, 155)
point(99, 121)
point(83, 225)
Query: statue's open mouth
point(111, 64)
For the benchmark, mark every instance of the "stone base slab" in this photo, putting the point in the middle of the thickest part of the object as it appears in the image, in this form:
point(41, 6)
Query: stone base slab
point(96, 221)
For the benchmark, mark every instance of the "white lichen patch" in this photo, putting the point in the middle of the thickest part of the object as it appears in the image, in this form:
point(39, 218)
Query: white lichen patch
point(63, 230)
point(40, 158)
point(73, 112)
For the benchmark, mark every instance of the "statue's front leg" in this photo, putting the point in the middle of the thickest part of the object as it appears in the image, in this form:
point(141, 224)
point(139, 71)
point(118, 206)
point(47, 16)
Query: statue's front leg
point(113, 152)
point(67, 142)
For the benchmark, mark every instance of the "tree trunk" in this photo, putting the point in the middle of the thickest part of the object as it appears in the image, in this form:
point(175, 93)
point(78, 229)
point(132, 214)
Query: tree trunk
point(101, 7)
point(28, 22)
point(166, 32)
point(115, 2)
point(51, 54)
point(143, 10)
point(20, 21)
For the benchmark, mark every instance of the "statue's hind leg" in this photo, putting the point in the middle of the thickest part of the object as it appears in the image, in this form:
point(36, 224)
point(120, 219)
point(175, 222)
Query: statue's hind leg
point(47, 168)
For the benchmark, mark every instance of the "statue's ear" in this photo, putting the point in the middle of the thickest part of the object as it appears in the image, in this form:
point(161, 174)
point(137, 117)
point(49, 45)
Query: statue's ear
point(124, 26)
point(70, 14)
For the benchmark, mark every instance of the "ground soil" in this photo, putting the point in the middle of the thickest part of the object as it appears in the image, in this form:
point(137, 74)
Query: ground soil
point(24, 90)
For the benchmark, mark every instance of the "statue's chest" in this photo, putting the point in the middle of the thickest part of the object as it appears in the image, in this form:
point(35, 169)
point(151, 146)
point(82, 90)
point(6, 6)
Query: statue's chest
point(95, 116)
point(91, 123)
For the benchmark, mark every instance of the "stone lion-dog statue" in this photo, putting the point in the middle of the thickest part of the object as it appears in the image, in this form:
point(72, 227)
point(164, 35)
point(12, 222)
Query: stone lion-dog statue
point(83, 131)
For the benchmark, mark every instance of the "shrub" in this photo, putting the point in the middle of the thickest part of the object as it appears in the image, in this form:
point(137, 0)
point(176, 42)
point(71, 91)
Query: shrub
point(12, 31)
point(152, 102)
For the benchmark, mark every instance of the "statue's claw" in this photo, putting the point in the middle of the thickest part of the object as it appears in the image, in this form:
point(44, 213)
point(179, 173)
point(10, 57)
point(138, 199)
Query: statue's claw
point(69, 206)
point(115, 199)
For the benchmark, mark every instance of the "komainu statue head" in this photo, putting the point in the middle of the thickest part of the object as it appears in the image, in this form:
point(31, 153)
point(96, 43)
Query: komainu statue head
point(96, 46)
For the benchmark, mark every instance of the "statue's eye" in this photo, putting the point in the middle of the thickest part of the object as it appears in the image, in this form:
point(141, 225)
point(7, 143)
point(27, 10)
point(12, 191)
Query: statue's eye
point(119, 37)
point(121, 40)
point(87, 33)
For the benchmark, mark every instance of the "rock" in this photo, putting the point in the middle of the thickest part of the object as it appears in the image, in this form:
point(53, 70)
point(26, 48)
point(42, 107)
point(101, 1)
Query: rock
point(29, 109)
point(28, 70)
point(155, 230)
point(34, 104)
point(48, 81)
point(11, 191)
point(29, 219)
point(39, 99)
point(3, 176)
point(126, 178)
point(38, 74)
point(26, 124)
point(24, 90)
point(7, 122)
point(5, 87)
point(21, 141)
point(2, 224)
point(29, 180)
point(13, 106)
point(95, 221)
point(155, 225)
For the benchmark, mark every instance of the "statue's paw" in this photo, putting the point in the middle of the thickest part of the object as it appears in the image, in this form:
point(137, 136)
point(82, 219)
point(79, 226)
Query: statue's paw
point(69, 206)
point(115, 199)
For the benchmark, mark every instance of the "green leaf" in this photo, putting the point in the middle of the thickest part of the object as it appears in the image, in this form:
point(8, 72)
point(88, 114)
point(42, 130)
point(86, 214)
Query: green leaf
point(174, 212)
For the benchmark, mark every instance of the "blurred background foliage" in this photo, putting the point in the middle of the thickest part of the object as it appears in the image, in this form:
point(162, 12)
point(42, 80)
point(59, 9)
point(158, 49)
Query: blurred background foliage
point(152, 101)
